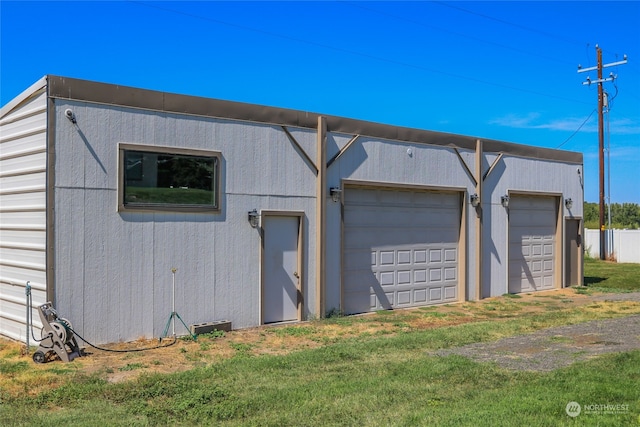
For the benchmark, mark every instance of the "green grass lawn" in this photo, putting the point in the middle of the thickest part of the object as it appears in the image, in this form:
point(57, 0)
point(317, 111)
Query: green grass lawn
point(611, 277)
point(368, 380)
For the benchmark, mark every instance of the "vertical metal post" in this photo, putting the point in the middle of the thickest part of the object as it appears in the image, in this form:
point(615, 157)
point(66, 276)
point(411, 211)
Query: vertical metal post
point(608, 134)
point(27, 291)
point(601, 152)
point(173, 302)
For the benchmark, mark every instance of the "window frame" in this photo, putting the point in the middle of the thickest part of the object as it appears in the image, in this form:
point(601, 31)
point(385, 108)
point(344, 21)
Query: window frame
point(168, 207)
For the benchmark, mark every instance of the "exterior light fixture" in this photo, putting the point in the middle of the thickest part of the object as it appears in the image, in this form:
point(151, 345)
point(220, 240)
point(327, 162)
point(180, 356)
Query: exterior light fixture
point(474, 200)
point(568, 203)
point(253, 218)
point(335, 193)
point(504, 200)
point(68, 113)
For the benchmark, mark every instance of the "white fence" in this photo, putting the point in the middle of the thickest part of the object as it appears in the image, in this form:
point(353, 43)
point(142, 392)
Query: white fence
point(625, 244)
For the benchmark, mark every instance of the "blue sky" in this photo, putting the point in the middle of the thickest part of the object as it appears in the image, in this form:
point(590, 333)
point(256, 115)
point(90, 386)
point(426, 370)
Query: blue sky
point(498, 70)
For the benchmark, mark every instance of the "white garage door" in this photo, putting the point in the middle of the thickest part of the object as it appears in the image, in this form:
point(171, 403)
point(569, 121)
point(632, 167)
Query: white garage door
point(400, 248)
point(532, 241)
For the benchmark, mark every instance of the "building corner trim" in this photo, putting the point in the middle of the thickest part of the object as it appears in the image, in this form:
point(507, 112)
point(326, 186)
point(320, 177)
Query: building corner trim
point(50, 199)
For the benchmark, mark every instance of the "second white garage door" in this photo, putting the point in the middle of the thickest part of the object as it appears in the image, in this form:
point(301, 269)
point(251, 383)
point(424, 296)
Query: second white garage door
point(532, 243)
point(400, 248)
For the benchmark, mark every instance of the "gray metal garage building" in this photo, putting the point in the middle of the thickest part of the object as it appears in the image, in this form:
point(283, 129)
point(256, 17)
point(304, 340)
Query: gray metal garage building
point(105, 188)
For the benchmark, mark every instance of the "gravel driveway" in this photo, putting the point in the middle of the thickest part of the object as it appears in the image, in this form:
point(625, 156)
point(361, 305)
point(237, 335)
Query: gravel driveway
point(553, 348)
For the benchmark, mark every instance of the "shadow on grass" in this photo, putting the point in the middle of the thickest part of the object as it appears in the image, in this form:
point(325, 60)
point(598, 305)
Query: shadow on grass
point(593, 280)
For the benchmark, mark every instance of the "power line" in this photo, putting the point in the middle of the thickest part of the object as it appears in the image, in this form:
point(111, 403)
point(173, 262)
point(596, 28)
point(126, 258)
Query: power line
point(445, 30)
point(577, 130)
point(361, 54)
point(502, 21)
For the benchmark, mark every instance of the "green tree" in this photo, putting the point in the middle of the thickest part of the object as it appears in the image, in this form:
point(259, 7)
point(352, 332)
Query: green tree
point(623, 215)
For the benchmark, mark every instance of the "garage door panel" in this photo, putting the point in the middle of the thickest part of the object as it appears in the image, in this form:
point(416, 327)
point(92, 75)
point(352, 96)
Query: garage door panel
point(390, 238)
point(361, 302)
point(404, 257)
point(407, 242)
point(386, 215)
point(450, 293)
point(386, 278)
point(530, 203)
point(420, 276)
point(420, 256)
point(387, 257)
point(360, 280)
point(354, 259)
point(420, 295)
point(532, 229)
point(404, 277)
point(404, 297)
point(451, 274)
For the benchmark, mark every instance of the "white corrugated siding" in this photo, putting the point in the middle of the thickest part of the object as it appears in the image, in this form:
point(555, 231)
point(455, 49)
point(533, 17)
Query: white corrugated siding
point(23, 160)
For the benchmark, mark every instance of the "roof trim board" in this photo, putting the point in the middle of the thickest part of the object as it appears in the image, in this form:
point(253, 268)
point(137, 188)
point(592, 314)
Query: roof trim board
point(103, 93)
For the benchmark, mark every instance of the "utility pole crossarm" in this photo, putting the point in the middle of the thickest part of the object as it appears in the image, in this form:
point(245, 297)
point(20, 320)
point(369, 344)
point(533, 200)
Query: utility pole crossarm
point(611, 64)
point(608, 79)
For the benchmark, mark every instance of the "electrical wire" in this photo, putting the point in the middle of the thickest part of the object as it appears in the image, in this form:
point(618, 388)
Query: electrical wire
point(361, 54)
point(445, 30)
point(577, 130)
point(502, 21)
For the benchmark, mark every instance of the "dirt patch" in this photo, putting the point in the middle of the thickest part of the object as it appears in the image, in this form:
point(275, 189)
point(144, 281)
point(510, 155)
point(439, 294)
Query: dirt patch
point(184, 354)
point(554, 348)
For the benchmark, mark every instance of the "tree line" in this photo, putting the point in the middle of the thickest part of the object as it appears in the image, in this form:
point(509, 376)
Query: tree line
point(623, 215)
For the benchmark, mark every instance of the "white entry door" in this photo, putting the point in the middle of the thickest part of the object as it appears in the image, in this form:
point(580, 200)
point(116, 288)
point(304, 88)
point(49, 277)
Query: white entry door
point(281, 278)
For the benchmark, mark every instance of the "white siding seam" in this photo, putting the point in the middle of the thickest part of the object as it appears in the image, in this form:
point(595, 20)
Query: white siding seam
point(23, 246)
point(23, 227)
point(18, 301)
point(24, 115)
point(35, 208)
point(21, 283)
point(24, 153)
point(25, 265)
point(19, 319)
point(32, 189)
point(26, 171)
point(24, 134)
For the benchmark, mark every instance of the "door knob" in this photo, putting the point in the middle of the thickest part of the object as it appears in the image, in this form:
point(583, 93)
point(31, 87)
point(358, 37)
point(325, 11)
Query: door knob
point(295, 273)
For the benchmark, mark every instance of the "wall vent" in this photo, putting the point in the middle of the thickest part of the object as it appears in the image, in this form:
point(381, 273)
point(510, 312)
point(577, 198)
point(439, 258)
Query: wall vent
point(205, 328)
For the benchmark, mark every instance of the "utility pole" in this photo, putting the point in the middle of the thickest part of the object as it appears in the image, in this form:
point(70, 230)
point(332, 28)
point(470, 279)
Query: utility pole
point(600, 80)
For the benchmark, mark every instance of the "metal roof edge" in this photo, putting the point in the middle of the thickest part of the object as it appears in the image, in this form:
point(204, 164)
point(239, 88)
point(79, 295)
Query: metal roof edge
point(126, 96)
